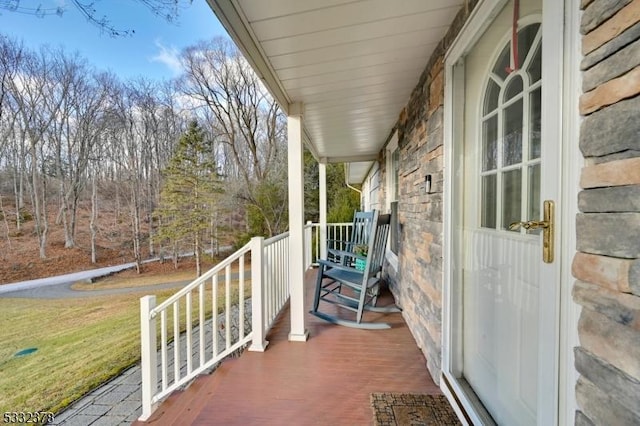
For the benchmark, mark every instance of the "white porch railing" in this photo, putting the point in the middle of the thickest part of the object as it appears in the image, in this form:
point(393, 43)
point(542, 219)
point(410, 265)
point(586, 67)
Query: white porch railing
point(315, 236)
point(195, 337)
point(230, 311)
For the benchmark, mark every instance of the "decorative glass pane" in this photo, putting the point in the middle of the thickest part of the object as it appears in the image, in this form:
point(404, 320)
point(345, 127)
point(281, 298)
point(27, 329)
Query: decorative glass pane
point(535, 66)
point(491, 97)
point(511, 197)
point(503, 62)
point(525, 41)
point(514, 88)
point(534, 195)
point(490, 143)
point(512, 140)
point(488, 217)
point(534, 123)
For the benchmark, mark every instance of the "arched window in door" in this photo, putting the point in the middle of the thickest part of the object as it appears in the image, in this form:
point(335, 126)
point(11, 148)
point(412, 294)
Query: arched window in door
point(510, 134)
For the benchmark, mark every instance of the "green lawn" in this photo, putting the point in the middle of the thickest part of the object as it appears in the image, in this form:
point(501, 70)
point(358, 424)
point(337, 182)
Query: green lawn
point(81, 343)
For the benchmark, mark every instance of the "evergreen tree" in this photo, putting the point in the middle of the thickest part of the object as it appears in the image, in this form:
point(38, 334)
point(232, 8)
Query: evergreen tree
point(189, 194)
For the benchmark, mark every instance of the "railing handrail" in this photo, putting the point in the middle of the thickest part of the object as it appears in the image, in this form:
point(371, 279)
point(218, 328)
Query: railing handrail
point(276, 238)
point(314, 224)
point(210, 273)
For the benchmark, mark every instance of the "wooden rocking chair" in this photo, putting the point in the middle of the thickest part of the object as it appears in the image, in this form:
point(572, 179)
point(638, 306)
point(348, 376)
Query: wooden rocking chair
point(351, 287)
point(359, 236)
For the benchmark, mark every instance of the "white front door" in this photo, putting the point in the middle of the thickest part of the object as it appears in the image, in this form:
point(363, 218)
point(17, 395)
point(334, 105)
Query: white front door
point(503, 306)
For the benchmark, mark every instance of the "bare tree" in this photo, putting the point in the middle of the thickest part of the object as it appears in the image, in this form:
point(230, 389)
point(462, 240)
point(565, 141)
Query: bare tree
point(74, 134)
point(11, 59)
point(243, 117)
point(39, 93)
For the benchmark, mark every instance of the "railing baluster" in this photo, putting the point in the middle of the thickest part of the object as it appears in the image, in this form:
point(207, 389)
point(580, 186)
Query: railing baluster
point(163, 349)
point(241, 297)
point(277, 285)
point(227, 298)
point(266, 279)
point(189, 341)
point(201, 323)
point(214, 319)
point(285, 271)
point(316, 245)
point(176, 341)
point(308, 249)
point(269, 288)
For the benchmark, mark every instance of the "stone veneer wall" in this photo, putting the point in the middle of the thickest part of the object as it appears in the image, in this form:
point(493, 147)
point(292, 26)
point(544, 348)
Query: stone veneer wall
point(607, 265)
point(417, 284)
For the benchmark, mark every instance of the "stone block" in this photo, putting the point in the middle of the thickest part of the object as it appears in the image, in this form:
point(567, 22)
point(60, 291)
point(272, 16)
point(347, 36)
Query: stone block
point(582, 420)
point(610, 200)
point(600, 408)
point(585, 3)
point(110, 421)
point(598, 12)
point(612, 129)
point(605, 271)
point(613, 173)
point(630, 153)
point(622, 308)
point(634, 277)
point(435, 139)
point(437, 67)
point(609, 93)
point(436, 92)
point(610, 47)
point(612, 67)
point(611, 28)
point(80, 420)
point(95, 409)
point(615, 383)
point(609, 234)
point(610, 341)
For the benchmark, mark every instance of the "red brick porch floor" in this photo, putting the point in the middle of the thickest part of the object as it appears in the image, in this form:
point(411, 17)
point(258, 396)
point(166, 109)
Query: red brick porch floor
point(324, 381)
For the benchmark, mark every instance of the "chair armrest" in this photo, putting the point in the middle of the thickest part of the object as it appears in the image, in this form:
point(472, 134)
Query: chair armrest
point(346, 253)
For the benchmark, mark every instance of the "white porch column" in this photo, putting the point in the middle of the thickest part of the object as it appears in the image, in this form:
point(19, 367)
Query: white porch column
point(296, 223)
point(322, 178)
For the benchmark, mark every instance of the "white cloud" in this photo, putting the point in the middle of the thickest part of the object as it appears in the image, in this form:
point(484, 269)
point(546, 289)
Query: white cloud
point(169, 56)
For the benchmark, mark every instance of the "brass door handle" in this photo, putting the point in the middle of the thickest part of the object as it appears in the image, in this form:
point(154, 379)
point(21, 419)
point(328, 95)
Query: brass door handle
point(547, 225)
point(530, 224)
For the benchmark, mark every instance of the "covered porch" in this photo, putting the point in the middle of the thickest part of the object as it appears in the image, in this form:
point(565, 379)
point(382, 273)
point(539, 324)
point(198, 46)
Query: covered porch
point(345, 74)
point(328, 380)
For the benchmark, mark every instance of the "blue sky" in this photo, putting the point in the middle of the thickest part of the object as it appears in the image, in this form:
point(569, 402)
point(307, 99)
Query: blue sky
point(151, 52)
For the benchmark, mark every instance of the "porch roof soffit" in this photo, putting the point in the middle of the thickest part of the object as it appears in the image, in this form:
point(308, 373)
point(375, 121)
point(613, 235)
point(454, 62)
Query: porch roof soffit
point(352, 64)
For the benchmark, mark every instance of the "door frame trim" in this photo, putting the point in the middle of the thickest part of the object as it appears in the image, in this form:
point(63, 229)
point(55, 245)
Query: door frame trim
point(559, 24)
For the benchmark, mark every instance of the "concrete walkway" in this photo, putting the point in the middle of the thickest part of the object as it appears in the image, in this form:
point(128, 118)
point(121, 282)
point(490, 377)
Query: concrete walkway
point(65, 291)
point(66, 278)
point(59, 287)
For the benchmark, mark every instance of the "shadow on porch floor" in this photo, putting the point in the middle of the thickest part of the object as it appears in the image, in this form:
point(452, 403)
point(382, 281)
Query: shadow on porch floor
point(324, 381)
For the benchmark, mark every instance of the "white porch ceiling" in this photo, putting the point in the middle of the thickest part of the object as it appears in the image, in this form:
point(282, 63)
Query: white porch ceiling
point(352, 64)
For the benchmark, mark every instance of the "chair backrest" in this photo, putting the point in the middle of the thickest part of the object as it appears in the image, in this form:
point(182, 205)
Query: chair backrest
point(362, 224)
point(378, 244)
